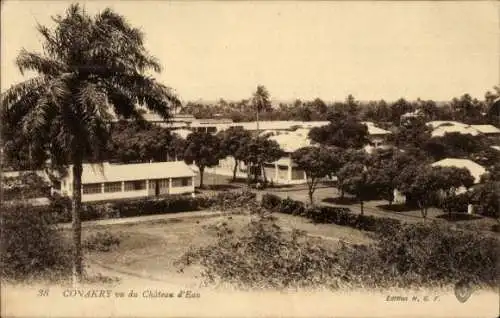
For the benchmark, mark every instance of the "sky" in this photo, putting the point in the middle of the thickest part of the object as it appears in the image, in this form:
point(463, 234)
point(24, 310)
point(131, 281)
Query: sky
point(327, 49)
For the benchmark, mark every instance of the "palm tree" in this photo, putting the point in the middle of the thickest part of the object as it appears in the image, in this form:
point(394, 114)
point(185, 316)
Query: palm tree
point(260, 101)
point(89, 66)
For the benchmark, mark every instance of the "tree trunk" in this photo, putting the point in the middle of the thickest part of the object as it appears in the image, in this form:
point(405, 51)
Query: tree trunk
point(311, 196)
point(263, 173)
point(76, 222)
point(249, 171)
point(202, 169)
point(234, 169)
point(361, 203)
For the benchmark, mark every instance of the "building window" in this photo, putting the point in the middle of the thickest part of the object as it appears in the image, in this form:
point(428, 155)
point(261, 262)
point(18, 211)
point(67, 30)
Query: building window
point(298, 174)
point(181, 182)
point(135, 185)
point(164, 183)
point(92, 188)
point(113, 187)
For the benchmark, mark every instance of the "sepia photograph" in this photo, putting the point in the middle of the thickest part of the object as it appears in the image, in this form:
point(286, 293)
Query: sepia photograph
point(250, 158)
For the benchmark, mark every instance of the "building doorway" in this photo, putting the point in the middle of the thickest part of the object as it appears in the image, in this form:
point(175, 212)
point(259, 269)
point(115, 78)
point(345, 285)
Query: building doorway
point(157, 188)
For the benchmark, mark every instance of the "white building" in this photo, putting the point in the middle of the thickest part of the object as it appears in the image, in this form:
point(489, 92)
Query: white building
point(109, 181)
point(476, 170)
point(488, 130)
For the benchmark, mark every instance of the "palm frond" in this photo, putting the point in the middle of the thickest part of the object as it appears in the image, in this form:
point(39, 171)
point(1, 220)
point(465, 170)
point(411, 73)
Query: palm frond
point(38, 63)
point(51, 45)
point(147, 92)
point(20, 91)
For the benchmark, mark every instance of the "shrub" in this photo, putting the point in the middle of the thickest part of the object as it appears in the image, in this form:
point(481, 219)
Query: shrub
point(233, 199)
point(31, 247)
point(290, 206)
point(263, 256)
point(457, 203)
point(26, 186)
point(101, 241)
point(413, 256)
point(486, 199)
point(438, 253)
point(270, 201)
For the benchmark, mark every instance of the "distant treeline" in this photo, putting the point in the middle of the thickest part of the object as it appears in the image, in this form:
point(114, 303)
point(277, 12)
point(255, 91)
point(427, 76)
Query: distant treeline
point(464, 109)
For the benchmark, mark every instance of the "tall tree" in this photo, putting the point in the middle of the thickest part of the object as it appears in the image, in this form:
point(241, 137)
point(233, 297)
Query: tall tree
point(466, 109)
point(145, 142)
point(420, 185)
point(202, 149)
point(233, 141)
point(399, 108)
point(317, 163)
point(261, 101)
point(257, 152)
point(457, 145)
point(342, 131)
point(451, 180)
point(88, 65)
point(385, 166)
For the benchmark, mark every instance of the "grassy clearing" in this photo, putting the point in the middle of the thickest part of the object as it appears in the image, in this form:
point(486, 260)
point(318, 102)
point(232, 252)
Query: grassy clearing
point(151, 249)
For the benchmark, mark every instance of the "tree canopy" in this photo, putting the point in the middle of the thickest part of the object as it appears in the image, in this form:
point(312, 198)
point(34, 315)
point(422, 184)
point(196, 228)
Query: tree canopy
point(342, 131)
point(317, 163)
point(203, 150)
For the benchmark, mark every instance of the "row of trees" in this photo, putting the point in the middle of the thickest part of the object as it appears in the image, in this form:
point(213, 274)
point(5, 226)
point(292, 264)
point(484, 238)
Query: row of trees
point(376, 176)
point(464, 109)
point(132, 142)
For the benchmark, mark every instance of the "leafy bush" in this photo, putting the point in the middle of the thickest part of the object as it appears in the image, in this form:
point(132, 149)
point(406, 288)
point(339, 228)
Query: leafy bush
point(101, 241)
point(26, 186)
point(263, 256)
point(487, 200)
point(293, 207)
point(437, 253)
point(407, 256)
point(31, 246)
point(458, 203)
point(270, 201)
point(233, 200)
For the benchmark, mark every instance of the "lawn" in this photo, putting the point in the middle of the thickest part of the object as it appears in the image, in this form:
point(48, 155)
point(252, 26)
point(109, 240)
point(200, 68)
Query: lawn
point(149, 250)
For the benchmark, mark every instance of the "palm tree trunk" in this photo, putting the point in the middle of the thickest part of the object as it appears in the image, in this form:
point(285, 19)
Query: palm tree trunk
point(257, 123)
point(76, 222)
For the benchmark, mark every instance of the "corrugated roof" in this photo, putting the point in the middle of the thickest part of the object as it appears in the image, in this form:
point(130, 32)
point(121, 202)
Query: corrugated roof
point(157, 170)
point(486, 129)
point(292, 141)
point(436, 123)
point(464, 130)
point(476, 170)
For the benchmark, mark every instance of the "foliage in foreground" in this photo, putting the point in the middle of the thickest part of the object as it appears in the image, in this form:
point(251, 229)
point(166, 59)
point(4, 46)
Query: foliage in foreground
point(31, 247)
point(101, 241)
point(263, 256)
point(412, 256)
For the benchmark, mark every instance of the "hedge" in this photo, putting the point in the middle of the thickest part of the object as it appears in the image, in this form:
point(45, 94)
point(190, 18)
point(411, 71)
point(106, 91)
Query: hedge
point(326, 214)
point(59, 210)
